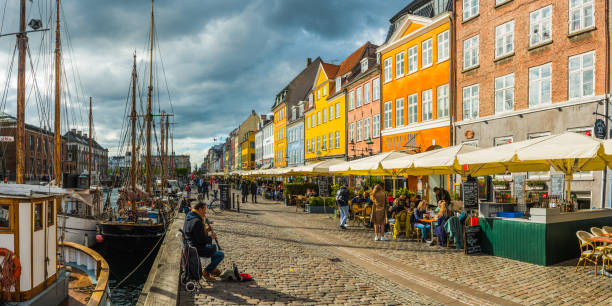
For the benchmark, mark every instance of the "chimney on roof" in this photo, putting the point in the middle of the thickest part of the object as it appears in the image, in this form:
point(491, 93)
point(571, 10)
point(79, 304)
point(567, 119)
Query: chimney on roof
point(85, 135)
point(79, 133)
point(308, 61)
point(263, 117)
point(73, 131)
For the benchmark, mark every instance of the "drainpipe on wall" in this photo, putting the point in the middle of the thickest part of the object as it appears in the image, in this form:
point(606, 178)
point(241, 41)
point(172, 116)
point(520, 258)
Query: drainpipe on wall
point(607, 107)
point(453, 85)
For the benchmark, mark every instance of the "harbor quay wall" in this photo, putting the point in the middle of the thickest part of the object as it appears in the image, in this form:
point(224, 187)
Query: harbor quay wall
point(162, 285)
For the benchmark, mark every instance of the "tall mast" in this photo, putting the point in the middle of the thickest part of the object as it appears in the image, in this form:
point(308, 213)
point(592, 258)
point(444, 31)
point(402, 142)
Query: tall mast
point(133, 118)
point(57, 153)
point(167, 133)
point(22, 42)
point(90, 130)
point(172, 159)
point(161, 157)
point(149, 97)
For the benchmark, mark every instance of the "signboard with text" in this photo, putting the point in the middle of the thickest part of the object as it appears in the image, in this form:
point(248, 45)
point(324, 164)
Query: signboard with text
point(7, 139)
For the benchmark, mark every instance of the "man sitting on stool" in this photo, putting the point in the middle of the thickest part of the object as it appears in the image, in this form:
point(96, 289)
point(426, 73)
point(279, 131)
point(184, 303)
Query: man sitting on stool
point(197, 236)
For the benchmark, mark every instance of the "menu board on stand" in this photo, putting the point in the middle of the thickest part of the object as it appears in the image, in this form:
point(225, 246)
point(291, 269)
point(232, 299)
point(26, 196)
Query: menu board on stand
point(556, 186)
point(470, 195)
point(224, 196)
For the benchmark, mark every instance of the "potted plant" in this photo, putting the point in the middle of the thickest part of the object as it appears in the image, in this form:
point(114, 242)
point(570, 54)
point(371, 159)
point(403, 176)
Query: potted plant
point(536, 185)
point(315, 206)
point(500, 185)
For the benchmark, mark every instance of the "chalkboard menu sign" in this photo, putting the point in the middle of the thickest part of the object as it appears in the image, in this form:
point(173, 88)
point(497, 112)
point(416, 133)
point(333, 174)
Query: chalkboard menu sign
point(470, 195)
point(472, 240)
point(519, 188)
point(556, 185)
point(224, 195)
point(323, 188)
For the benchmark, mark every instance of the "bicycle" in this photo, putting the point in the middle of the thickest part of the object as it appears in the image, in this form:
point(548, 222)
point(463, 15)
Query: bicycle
point(214, 203)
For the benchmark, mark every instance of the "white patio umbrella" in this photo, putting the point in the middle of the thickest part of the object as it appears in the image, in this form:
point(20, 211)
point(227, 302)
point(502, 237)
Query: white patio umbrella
point(317, 168)
point(441, 161)
point(367, 166)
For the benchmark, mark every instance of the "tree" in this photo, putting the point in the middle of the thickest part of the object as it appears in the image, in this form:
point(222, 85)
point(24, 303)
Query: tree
point(181, 171)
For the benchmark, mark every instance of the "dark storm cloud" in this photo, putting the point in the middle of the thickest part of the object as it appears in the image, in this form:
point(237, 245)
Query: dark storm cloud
point(221, 58)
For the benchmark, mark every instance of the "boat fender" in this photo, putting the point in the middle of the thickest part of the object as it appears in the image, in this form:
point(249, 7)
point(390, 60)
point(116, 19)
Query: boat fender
point(99, 238)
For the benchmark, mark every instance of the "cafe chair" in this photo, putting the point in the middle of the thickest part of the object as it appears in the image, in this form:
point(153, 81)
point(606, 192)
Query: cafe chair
point(401, 224)
point(606, 259)
point(588, 251)
point(600, 233)
point(607, 229)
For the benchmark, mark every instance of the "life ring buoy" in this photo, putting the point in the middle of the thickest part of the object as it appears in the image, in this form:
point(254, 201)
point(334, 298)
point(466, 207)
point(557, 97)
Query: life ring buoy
point(14, 264)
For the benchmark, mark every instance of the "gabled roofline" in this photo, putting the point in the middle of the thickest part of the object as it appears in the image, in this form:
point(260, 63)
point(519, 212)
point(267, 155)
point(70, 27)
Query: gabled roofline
point(432, 23)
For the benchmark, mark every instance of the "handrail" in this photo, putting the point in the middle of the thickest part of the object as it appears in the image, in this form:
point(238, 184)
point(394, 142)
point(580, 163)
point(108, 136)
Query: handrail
point(102, 272)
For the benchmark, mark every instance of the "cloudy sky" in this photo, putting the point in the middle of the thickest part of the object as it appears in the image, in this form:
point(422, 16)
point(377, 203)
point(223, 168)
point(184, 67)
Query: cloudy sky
point(221, 58)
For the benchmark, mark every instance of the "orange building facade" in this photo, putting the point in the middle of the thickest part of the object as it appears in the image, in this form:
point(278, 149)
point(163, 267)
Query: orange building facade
point(416, 85)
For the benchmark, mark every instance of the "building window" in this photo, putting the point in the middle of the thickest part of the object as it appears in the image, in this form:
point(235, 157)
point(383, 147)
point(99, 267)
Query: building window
point(318, 144)
point(540, 26)
point(427, 105)
point(38, 216)
point(359, 95)
point(470, 102)
point(318, 118)
point(470, 52)
point(308, 122)
point(504, 39)
point(331, 113)
point(581, 15)
point(358, 138)
point(319, 94)
point(500, 141)
point(330, 141)
point(540, 85)
point(314, 122)
point(399, 65)
point(307, 145)
point(388, 115)
point(351, 132)
point(413, 108)
point(504, 93)
point(366, 128)
point(338, 84)
point(337, 139)
point(399, 112)
point(376, 89)
point(443, 46)
point(388, 70)
point(312, 144)
point(413, 59)
point(351, 100)
point(442, 101)
point(582, 75)
point(310, 102)
point(366, 93)
point(364, 65)
point(5, 217)
point(427, 53)
point(324, 90)
point(470, 9)
point(324, 115)
point(338, 110)
point(376, 126)
point(324, 143)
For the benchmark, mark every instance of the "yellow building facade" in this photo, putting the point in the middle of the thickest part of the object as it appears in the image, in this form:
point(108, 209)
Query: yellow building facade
point(325, 117)
point(247, 148)
point(280, 135)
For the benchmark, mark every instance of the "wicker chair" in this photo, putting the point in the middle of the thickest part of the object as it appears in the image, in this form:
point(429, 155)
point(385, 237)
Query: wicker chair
point(600, 233)
point(364, 215)
point(588, 250)
point(606, 259)
point(607, 229)
point(402, 224)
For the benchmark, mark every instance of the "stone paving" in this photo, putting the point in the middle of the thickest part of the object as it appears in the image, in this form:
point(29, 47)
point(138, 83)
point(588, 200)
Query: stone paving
point(304, 259)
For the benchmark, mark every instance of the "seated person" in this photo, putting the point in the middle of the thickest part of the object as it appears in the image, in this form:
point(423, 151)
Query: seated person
point(402, 200)
point(416, 199)
point(197, 236)
point(420, 213)
point(358, 199)
point(396, 208)
point(443, 216)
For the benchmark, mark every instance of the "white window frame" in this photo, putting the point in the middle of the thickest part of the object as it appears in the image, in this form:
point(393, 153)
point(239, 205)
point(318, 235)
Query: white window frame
point(308, 122)
point(351, 100)
point(324, 143)
point(388, 69)
point(366, 93)
point(338, 84)
point(337, 110)
point(376, 126)
point(413, 108)
point(318, 118)
point(330, 112)
point(580, 72)
point(388, 115)
point(324, 115)
point(504, 39)
point(443, 40)
point(351, 132)
point(358, 131)
point(337, 138)
point(376, 89)
point(471, 9)
point(472, 101)
point(364, 65)
point(359, 96)
point(314, 121)
point(473, 143)
point(504, 89)
point(540, 28)
point(325, 90)
point(413, 59)
point(399, 64)
point(538, 83)
point(318, 93)
point(471, 52)
point(442, 101)
point(427, 105)
point(580, 9)
point(366, 129)
point(399, 112)
point(427, 53)
point(330, 139)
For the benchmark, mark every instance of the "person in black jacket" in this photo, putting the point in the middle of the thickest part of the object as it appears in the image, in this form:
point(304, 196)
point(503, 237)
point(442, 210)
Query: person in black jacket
point(253, 191)
point(442, 195)
point(197, 236)
point(244, 189)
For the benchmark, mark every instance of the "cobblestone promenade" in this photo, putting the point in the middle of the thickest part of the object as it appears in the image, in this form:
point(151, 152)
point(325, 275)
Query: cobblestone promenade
point(305, 259)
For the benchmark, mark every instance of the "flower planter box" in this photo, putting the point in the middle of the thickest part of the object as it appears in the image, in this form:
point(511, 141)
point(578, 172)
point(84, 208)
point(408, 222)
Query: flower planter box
point(318, 209)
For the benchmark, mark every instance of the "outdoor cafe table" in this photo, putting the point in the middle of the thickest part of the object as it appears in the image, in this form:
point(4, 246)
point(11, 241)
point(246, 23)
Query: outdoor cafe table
point(430, 221)
point(604, 240)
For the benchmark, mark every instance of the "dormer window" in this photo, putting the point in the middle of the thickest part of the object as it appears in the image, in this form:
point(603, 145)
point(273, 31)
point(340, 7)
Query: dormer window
point(364, 65)
point(377, 58)
point(310, 98)
point(338, 84)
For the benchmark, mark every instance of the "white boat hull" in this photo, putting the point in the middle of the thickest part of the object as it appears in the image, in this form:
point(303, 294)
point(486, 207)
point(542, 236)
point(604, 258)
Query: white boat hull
point(78, 230)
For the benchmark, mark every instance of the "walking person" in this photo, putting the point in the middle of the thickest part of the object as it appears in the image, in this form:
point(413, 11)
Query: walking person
point(253, 192)
point(342, 203)
point(244, 189)
point(205, 188)
point(379, 212)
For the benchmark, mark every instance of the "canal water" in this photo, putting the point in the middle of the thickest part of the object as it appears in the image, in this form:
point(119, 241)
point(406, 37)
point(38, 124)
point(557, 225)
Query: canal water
point(121, 266)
